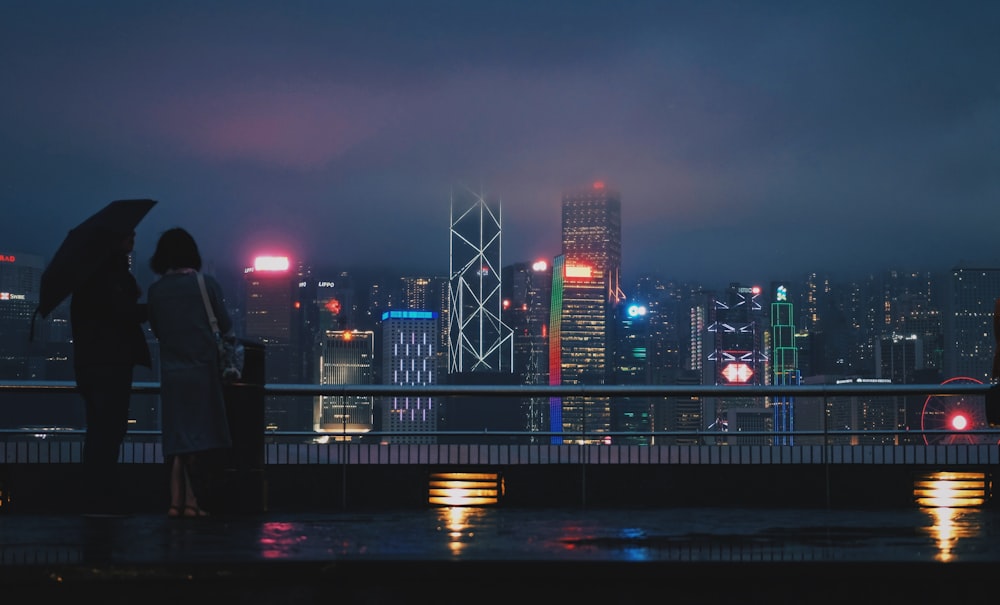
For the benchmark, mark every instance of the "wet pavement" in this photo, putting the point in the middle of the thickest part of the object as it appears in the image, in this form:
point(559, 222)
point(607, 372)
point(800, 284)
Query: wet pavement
point(467, 554)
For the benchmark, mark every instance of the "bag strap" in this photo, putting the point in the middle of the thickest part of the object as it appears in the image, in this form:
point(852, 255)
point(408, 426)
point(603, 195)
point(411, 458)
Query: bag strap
point(208, 305)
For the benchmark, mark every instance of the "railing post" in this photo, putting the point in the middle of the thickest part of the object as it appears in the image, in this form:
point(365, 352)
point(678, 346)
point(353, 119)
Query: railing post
point(244, 486)
point(826, 452)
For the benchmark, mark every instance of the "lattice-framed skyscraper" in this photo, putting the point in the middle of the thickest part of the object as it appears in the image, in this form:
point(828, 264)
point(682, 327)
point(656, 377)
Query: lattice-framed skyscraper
point(478, 340)
point(784, 363)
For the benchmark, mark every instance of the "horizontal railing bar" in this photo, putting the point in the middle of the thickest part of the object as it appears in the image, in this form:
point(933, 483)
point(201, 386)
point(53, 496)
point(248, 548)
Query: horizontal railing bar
point(383, 390)
point(566, 435)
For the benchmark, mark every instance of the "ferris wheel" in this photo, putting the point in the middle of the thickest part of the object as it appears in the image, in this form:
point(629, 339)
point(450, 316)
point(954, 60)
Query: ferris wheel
point(956, 413)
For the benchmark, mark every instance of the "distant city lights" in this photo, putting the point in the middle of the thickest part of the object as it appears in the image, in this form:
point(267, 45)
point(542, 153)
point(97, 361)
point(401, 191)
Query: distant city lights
point(540, 265)
point(636, 310)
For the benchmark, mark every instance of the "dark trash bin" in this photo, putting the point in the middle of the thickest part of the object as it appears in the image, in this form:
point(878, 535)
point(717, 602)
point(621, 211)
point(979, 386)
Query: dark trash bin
point(242, 485)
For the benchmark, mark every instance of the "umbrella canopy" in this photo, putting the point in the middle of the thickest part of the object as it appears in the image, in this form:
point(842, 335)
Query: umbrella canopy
point(86, 246)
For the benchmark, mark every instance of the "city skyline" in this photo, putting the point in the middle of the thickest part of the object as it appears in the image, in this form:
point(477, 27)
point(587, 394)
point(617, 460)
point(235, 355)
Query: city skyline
point(748, 140)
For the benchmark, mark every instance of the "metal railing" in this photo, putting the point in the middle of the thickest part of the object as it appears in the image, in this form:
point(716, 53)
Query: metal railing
point(975, 393)
point(832, 463)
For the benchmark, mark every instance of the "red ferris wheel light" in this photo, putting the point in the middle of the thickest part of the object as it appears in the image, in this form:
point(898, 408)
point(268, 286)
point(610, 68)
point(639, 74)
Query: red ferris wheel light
point(959, 422)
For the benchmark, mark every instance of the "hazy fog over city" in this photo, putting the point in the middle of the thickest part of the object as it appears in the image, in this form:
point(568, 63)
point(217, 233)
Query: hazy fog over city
point(748, 140)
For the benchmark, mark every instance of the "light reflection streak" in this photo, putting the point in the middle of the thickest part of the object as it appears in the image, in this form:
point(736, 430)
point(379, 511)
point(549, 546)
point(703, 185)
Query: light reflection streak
point(460, 522)
point(279, 539)
point(954, 513)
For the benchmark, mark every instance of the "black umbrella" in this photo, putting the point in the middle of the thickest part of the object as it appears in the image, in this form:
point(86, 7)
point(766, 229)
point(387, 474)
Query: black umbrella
point(86, 246)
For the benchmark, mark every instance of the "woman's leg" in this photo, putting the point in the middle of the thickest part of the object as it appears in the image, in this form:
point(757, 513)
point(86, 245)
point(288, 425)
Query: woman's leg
point(191, 508)
point(178, 491)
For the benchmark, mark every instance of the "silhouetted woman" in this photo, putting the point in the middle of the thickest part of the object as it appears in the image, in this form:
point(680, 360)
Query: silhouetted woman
point(193, 412)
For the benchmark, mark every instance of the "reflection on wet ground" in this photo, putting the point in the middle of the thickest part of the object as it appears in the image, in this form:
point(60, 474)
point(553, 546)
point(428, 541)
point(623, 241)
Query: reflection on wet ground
point(44, 551)
point(455, 534)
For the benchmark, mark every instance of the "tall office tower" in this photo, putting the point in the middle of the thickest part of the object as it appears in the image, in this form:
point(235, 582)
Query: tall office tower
point(738, 354)
point(592, 235)
point(271, 288)
point(335, 304)
point(785, 364)
point(346, 357)
point(899, 358)
point(974, 291)
point(45, 354)
point(478, 339)
point(527, 295)
point(409, 347)
point(910, 303)
point(697, 332)
point(664, 301)
point(22, 355)
point(590, 289)
point(630, 366)
point(429, 293)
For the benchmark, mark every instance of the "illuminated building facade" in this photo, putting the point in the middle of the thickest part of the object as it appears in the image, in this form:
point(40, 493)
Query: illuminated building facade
point(737, 330)
point(785, 364)
point(429, 293)
point(271, 318)
point(527, 289)
point(20, 281)
point(555, 345)
point(589, 289)
point(270, 290)
point(346, 357)
point(478, 339)
point(631, 366)
point(409, 357)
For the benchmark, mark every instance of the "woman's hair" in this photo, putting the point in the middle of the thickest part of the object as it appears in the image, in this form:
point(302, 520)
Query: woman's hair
point(176, 249)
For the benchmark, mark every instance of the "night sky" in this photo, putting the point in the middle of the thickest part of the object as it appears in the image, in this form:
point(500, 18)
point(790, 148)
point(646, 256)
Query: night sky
point(749, 140)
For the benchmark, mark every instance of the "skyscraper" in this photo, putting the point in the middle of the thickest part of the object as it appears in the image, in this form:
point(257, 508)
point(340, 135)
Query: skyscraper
point(269, 292)
point(527, 296)
point(346, 357)
point(409, 346)
point(592, 235)
point(478, 339)
point(974, 291)
point(738, 356)
point(785, 356)
point(584, 296)
point(430, 293)
point(271, 289)
point(21, 353)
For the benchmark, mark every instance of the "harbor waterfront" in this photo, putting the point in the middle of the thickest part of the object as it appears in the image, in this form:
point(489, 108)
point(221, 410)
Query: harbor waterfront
point(300, 520)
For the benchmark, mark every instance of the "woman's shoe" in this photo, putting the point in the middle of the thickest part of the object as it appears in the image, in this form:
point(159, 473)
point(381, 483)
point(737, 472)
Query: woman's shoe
point(193, 512)
point(174, 512)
